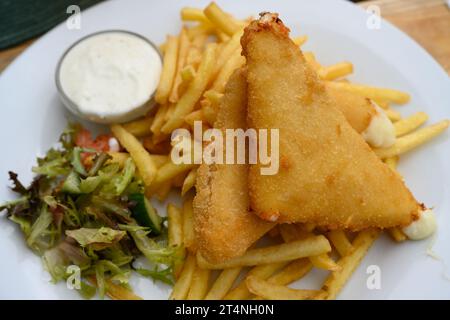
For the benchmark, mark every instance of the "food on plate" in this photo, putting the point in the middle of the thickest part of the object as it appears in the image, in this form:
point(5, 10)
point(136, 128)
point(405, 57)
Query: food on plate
point(365, 116)
point(95, 83)
point(91, 202)
point(328, 175)
point(91, 214)
point(221, 204)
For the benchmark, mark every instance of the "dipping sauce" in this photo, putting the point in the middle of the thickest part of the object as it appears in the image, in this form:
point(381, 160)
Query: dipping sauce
point(109, 76)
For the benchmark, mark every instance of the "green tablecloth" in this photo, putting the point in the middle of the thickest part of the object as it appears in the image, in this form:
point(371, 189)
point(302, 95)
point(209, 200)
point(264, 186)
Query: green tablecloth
point(21, 20)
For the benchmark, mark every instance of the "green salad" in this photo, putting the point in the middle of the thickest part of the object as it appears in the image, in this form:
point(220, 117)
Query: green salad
point(84, 210)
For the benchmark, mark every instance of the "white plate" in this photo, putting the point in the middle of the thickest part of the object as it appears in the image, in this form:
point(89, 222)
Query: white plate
point(33, 117)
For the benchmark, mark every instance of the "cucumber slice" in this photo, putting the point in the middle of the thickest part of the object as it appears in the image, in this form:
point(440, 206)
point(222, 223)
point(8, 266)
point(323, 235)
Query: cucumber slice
point(145, 214)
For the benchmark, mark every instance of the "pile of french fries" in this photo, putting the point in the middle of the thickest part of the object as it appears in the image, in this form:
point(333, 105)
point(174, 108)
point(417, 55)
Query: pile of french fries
point(197, 65)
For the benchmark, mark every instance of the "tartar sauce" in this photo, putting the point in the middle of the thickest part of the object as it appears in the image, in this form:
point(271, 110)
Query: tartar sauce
point(423, 227)
point(110, 76)
point(381, 132)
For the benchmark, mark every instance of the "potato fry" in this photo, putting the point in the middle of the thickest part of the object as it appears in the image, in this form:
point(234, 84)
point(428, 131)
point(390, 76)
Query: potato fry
point(241, 292)
point(209, 113)
point(292, 232)
point(144, 162)
point(195, 90)
point(279, 253)
point(158, 121)
point(193, 14)
point(340, 241)
point(189, 182)
point(392, 162)
point(299, 41)
point(236, 61)
point(221, 19)
point(226, 52)
point(222, 36)
point(393, 115)
point(412, 140)
point(175, 230)
point(397, 234)
point(196, 115)
point(203, 29)
point(294, 271)
point(199, 285)
point(311, 59)
point(188, 73)
point(272, 291)
point(168, 70)
point(373, 93)
point(167, 172)
point(139, 128)
point(223, 283)
point(182, 55)
point(188, 225)
point(323, 261)
point(175, 234)
point(406, 125)
point(337, 279)
point(335, 71)
point(181, 288)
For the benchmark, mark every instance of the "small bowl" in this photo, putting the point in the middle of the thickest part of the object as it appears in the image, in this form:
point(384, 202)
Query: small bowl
point(124, 117)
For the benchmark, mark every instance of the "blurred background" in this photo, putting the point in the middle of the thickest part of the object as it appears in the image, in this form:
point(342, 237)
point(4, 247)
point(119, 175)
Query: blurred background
point(23, 21)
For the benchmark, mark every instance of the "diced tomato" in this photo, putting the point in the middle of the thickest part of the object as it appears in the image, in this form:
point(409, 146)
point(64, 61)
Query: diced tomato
point(84, 139)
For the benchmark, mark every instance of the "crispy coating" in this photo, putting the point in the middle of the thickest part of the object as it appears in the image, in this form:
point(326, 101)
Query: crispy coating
point(328, 174)
point(357, 110)
point(224, 227)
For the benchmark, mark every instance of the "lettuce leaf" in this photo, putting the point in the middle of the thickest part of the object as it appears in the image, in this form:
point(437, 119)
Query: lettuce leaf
point(98, 239)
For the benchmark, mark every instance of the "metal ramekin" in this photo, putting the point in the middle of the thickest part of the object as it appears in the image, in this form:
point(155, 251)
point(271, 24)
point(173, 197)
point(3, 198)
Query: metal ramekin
point(72, 106)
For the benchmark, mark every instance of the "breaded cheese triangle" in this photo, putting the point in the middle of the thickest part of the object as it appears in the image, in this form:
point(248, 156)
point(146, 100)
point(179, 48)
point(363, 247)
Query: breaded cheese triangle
point(328, 174)
point(224, 227)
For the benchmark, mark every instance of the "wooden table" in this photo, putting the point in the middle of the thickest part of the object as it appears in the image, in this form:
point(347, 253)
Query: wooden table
point(427, 21)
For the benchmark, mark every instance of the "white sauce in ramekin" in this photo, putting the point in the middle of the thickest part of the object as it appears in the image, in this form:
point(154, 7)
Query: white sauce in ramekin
point(110, 76)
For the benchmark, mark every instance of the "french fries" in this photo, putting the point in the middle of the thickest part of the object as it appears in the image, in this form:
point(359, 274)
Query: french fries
point(144, 162)
point(175, 233)
point(193, 14)
point(236, 61)
point(189, 182)
point(223, 283)
point(337, 279)
point(182, 56)
point(139, 128)
point(299, 41)
point(168, 70)
point(279, 253)
point(220, 19)
point(188, 225)
point(294, 271)
point(241, 292)
point(195, 72)
point(373, 93)
point(181, 288)
point(267, 290)
point(340, 242)
point(199, 285)
point(335, 71)
point(405, 126)
point(413, 140)
point(193, 93)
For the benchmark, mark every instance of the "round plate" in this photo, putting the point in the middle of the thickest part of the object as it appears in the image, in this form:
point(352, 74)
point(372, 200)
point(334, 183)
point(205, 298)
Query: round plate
point(33, 117)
